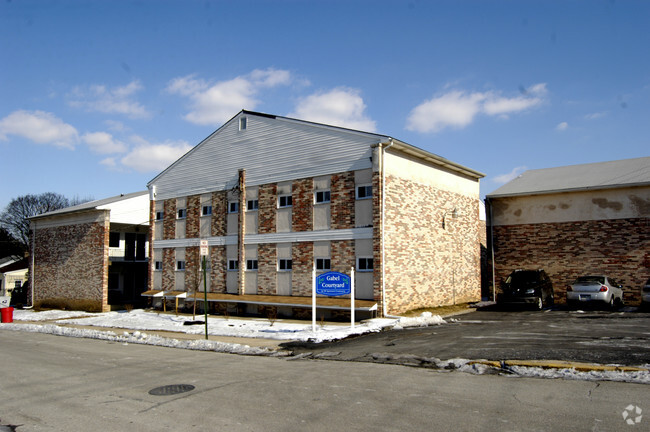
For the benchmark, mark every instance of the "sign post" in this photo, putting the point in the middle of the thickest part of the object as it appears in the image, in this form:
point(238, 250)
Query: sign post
point(204, 253)
point(332, 284)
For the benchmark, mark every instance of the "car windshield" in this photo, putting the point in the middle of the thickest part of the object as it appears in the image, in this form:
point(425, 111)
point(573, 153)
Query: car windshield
point(590, 279)
point(522, 278)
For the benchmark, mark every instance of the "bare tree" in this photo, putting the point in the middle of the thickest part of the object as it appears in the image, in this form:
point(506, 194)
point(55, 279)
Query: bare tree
point(15, 216)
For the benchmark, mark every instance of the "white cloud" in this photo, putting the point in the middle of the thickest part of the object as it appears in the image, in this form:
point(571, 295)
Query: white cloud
point(215, 103)
point(40, 127)
point(505, 178)
point(454, 109)
point(154, 157)
point(458, 109)
point(339, 107)
point(595, 116)
point(562, 126)
point(104, 143)
point(116, 100)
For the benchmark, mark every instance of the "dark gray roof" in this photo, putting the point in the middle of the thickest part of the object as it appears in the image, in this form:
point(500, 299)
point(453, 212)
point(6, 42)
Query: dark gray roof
point(91, 205)
point(602, 175)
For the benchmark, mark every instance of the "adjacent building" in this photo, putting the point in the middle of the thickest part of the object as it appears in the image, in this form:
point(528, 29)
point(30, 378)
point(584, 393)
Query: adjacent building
point(276, 198)
point(575, 220)
point(93, 256)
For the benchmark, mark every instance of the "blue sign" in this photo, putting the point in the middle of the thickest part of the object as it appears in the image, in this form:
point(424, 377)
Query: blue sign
point(333, 284)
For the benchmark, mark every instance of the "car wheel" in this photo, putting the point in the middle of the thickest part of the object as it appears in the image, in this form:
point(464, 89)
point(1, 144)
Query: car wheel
point(611, 303)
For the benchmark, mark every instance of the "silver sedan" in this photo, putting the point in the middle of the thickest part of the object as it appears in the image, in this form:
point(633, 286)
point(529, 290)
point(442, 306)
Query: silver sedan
point(595, 289)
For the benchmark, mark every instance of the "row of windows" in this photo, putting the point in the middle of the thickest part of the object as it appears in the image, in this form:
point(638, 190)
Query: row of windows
point(320, 197)
point(364, 264)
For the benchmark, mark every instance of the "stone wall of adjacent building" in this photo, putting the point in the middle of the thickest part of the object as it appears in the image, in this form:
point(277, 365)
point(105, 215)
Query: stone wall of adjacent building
point(619, 248)
point(432, 259)
point(71, 265)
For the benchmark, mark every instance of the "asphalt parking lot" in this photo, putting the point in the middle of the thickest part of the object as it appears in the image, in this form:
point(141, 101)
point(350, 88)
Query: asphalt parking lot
point(605, 337)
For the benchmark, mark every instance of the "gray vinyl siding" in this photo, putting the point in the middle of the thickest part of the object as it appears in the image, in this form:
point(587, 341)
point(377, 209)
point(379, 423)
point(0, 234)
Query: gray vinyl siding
point(270, 150)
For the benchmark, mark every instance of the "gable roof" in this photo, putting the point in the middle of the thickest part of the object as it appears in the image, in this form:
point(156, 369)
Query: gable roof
point(101, 204)
point(280, 148)
point(592, 176)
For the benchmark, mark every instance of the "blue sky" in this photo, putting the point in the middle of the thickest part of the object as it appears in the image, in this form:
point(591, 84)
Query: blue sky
point(97, 97)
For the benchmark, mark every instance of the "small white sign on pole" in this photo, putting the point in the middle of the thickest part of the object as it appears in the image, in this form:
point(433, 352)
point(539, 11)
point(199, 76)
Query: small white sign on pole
point(204, 248)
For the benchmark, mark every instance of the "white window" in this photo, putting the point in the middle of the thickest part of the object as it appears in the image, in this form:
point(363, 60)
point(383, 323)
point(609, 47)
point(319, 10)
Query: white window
point(243, 123)
point(158, 265)
point(364, 264)
point(233, 265)
point(285, 201)
point(233, 207)
point(323, 264)
point(285, 264)
point(251, 265)
point(321, 197)
point(159, 215)
point(206, 210)
point(252, 205)
point(180, 265)
point(364, 192)
point(182, 213)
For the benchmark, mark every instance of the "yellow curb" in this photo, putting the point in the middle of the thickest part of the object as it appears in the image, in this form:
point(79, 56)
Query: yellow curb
point(581, 367)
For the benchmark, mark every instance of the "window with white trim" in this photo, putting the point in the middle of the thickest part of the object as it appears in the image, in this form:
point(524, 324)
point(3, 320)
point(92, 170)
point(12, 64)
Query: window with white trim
point(233, 207)
point(233, 265)
point(180, 265)
point(323, 264)
point(364, 192)
point(285, 264)
point(243, 123)
point(364, 264)
point(158, 265)
point(285, 201)
point(252, 205)
point(322, 197)
point(251, 265)
point(206, 210)
point(159, 215)
point(182, 213)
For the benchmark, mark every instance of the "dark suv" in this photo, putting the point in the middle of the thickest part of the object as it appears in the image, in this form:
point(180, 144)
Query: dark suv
point(527, 287)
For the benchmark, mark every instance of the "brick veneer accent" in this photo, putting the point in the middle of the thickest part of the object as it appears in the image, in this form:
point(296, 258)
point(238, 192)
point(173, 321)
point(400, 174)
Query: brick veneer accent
point(219, 211)
point(193, 217)
point(193, 278)
point(342, 255)
point(152, 230)
point(342, 197)
point(303, 205)
point(169, 269)
point(218, 269)
point(267, 268)
point(619, 248)
point(71, 264)
point(426, 264)
point(169, 219)
point(303, 262)
point(267, 198)
point(377, 241)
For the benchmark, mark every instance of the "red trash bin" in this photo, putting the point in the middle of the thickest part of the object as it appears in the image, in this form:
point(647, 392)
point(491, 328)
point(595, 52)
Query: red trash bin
point(7, 314)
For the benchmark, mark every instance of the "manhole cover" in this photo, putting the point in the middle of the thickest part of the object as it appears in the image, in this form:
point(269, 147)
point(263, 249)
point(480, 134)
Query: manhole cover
point(169, 390)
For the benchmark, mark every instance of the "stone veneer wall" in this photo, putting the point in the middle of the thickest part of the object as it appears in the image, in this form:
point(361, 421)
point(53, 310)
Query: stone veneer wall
point(342, 196)
point(71, 264)
point(619, 248)
point(193, 217)
point(267, 269)
point(219, 211)
point(429, 265)
point(218, 265)
point(303, 205)
point(267, 211)
point(303, 262)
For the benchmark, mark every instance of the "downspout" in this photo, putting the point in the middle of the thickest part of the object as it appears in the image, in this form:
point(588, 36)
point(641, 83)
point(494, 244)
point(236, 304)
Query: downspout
point(383, 214)
point(494, 293)
point(33, 282)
